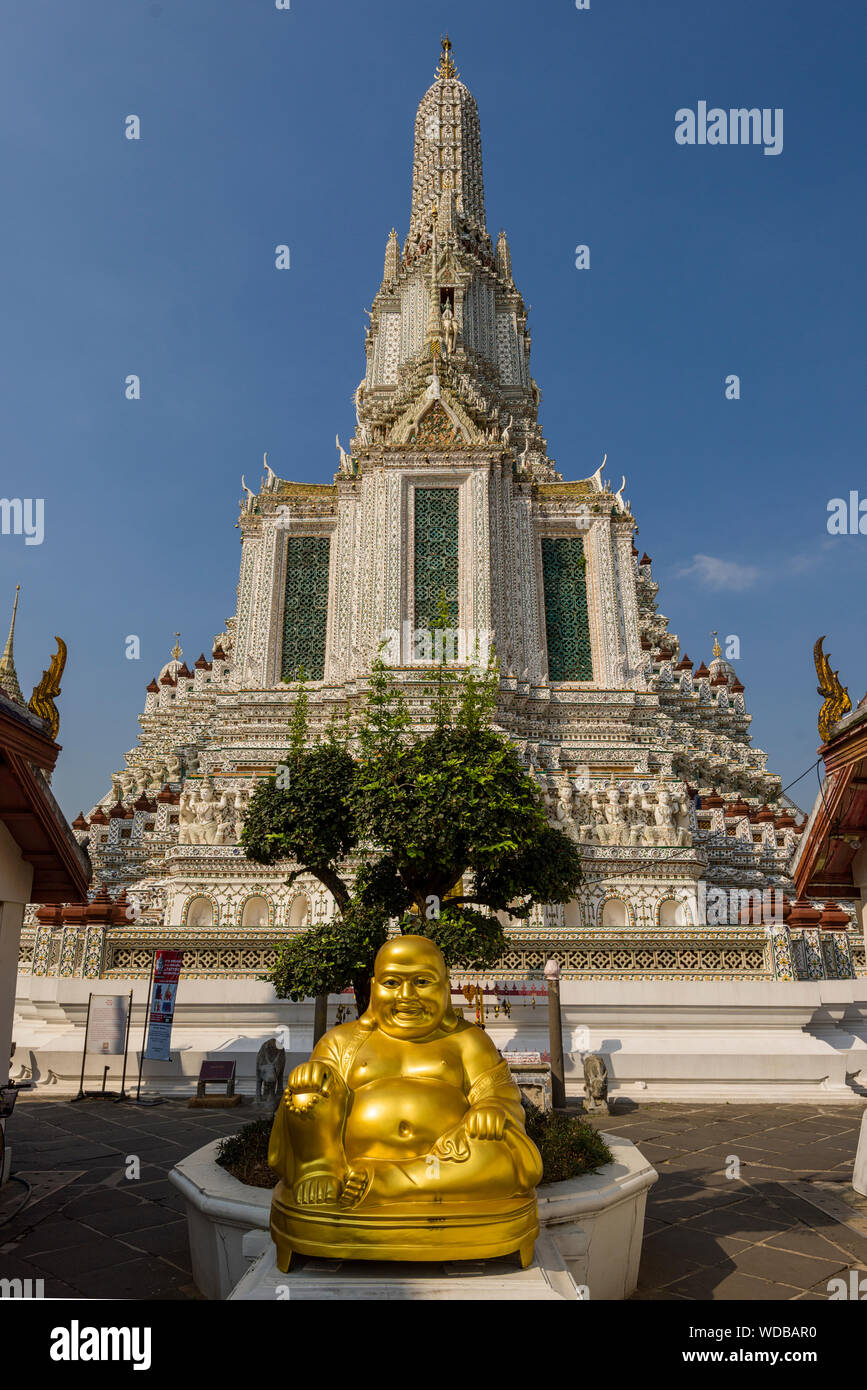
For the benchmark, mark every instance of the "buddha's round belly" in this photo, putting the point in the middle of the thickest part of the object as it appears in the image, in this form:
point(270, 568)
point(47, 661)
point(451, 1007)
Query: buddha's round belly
point(401, 1117)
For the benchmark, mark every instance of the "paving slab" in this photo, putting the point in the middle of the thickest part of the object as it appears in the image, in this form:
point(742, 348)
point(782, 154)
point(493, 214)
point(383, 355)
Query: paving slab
point(731, 1286)
point(135, 1216)
point(695, 1214)
point(785, 1267)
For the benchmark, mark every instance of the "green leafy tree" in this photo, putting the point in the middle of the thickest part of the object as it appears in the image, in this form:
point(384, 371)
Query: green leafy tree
point(439, 831)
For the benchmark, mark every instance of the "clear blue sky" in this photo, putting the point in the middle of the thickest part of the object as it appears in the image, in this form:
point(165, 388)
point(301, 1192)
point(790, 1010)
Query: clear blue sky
point(261, 126)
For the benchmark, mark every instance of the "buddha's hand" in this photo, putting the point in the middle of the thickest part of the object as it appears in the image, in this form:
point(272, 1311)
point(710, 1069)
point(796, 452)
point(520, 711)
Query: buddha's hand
point(308, 1083)
point(485, 1121)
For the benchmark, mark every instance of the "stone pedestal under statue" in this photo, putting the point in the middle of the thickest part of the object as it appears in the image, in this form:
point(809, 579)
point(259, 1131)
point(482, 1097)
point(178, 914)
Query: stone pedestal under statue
point(545, 1279)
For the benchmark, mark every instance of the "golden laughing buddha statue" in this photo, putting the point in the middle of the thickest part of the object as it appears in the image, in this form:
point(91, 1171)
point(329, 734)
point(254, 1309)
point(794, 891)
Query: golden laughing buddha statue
point(403, 1136)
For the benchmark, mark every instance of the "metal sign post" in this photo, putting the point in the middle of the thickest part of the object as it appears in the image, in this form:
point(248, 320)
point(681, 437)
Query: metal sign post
point(81, 1091)
point(123, 1095)
point(101, 1034)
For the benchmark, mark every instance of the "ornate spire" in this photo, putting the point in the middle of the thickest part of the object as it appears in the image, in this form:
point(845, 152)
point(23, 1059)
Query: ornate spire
point(448, 150)
point(176, 649)
point(8, 674)
point(447, 67)
point(392, 259)
point(503, 258)
point(717, 649)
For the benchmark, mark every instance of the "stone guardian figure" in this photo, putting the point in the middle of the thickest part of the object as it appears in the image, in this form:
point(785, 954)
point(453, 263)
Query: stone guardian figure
point(595, 1085)
point(270, 1064)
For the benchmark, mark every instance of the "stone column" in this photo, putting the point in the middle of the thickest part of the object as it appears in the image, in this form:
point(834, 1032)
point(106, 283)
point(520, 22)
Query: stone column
point(16, 880)
point(555, 1028)
point(11, 919)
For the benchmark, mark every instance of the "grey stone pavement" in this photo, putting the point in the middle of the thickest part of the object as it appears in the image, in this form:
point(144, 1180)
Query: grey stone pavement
point(712, 1237)
point(95, 1233)
point(89, 1232)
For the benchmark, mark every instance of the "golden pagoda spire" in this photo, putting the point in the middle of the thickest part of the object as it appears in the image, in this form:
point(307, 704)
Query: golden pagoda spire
point(8, 674)
point(717, 649)
point(446, 68)
point(176, 649)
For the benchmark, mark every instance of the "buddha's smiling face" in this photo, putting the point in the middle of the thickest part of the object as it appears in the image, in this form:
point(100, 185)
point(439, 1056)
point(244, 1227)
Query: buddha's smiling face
point(410, 992)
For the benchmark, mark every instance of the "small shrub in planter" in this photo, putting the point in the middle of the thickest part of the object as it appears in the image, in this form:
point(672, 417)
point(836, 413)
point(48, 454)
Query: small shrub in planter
point(569, 1147)
point(245, 1155)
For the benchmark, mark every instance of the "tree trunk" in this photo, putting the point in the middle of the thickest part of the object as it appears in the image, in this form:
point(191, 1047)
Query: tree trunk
point(320, 1017)
point(361, 985)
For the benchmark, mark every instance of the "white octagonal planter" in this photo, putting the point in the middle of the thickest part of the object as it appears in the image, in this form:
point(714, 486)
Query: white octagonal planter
point(596, 1221)
point(220, 1210)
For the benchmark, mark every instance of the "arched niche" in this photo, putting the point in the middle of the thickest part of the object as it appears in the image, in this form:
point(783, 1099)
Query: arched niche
point(615, 913)
point(255, 912)
point(199, 912)
point(671, 913)
point(300, 911)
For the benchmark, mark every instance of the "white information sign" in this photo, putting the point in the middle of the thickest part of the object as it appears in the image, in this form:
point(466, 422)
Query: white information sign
point(107, 1029)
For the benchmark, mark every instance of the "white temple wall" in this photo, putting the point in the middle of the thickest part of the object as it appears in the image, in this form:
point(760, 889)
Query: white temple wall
point(662, 1039)
point(643, 901)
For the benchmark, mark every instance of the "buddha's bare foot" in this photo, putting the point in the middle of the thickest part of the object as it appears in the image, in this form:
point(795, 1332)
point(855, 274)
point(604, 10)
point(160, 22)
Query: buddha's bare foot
point(320, 1187)
point(355, 1187)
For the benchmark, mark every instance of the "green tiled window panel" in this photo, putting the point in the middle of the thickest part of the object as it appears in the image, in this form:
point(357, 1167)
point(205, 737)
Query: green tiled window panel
point(436, 555)
point(305, 607)
point(566, 622)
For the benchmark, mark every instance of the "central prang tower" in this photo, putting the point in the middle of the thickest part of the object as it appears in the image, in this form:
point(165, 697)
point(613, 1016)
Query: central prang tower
point(447, 489)
point(435, 496)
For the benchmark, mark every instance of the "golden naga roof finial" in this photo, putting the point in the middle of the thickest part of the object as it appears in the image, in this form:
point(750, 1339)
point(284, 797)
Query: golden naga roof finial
point(717, 649)
point(46, 692)
point(837, 702)
point(446, 67)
